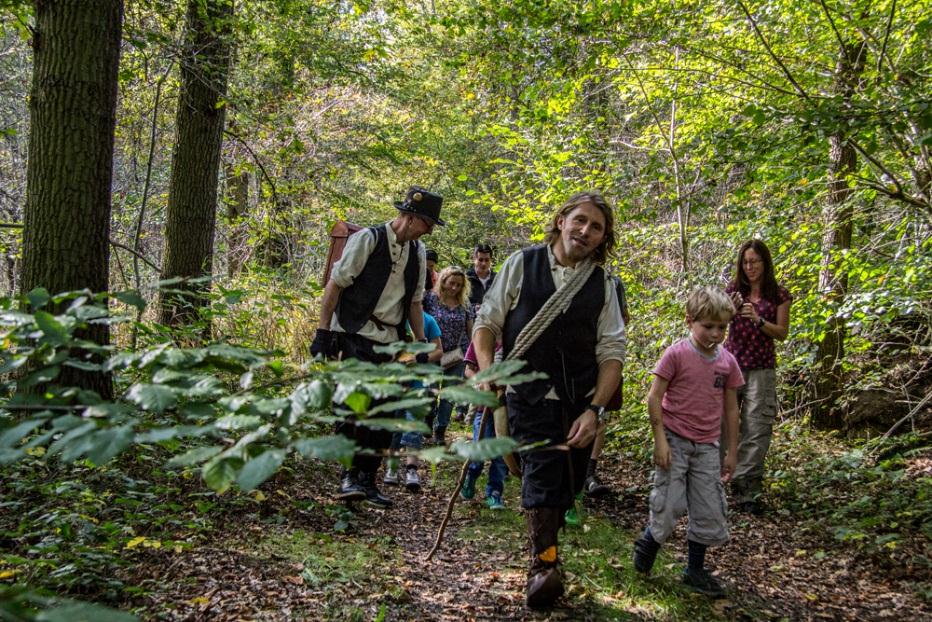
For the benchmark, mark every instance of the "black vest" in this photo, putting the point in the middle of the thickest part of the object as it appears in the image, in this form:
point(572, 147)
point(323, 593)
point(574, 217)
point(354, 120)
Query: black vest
point(566, 350)
point(358, 301)
point(476, 289)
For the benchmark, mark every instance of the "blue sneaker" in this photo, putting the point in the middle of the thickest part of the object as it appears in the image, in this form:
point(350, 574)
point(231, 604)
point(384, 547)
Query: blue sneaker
point(468, 491)
point(494, 501)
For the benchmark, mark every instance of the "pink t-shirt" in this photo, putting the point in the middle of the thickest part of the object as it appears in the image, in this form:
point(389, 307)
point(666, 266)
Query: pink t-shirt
point(694, 402)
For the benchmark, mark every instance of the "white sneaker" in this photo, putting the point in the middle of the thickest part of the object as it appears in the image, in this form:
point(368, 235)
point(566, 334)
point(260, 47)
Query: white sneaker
point(412, 480)
point(391, 477)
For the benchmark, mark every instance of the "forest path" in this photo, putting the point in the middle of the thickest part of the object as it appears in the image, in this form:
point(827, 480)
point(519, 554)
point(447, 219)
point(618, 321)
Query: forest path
point(284, 561)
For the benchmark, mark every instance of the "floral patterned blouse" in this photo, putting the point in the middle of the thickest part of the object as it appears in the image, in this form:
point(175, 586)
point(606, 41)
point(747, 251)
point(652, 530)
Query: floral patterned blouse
point(452, 321)
point(748, 343)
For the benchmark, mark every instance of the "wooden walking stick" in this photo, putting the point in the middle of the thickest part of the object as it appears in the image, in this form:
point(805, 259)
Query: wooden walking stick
point(456, 492)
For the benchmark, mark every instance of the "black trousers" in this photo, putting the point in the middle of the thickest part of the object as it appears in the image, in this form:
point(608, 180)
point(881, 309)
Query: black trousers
point(551, 477)
point(356, 347)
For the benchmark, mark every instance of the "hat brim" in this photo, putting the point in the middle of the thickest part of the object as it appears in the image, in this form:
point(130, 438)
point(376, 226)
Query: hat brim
point(401, 207)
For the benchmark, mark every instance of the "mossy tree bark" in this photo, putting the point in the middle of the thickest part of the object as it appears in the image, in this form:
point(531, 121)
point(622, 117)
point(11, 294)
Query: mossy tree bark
point(66, 234)
point(192, 196)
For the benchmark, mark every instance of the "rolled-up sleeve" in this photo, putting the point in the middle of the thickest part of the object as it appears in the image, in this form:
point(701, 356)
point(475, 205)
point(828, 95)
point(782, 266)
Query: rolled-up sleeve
point(355, 254)
point(612, 340)
point(421, 273)
point(502, 296)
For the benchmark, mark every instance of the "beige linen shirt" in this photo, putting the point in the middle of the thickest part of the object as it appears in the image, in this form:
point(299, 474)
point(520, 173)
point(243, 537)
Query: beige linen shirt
point(388, 308)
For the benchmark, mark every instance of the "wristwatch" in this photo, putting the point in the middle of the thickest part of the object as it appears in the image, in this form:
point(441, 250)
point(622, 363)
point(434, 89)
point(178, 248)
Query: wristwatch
point(599, 413)
point(760, 322)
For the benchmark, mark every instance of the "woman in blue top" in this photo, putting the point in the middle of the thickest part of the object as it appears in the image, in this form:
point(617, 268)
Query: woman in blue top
point(449, 304)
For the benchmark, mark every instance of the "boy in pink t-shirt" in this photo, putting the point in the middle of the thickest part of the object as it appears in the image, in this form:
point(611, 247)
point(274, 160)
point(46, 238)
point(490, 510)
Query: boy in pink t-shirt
point(695, 386)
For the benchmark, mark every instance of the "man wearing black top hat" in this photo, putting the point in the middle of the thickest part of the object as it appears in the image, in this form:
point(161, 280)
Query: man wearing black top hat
point(374, 289)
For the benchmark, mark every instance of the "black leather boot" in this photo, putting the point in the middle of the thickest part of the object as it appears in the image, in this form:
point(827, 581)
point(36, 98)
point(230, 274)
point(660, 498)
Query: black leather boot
point(544, 579)
point(373, 497)
point(350, 489)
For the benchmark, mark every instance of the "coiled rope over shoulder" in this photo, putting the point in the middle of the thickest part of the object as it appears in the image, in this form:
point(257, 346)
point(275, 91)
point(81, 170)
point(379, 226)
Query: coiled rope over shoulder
point(558, 303)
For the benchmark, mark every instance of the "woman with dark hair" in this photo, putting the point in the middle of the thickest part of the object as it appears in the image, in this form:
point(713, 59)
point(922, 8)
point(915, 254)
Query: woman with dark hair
point(762, 314)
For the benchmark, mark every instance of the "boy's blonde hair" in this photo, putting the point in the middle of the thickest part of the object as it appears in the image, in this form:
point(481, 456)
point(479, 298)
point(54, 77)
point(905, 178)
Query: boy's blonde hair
point(709, 303)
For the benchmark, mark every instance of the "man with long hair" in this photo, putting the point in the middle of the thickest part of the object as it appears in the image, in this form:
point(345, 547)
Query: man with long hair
point(562, 288)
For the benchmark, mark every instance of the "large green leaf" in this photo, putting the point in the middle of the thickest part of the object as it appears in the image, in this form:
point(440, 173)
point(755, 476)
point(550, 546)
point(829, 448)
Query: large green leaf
point(486, 449)
point(260, 468)
point(152, 397)
point(132, 298)
point(40, 376)
point(314, 396)
point(54, 332)
point(395, 425)
point(412, 403)
point(13, 435)
point(462, 394)
point(335, 447)
point(238, 422)
point(358, 402)
point(219, 473)
point(106, 444)
point(38, 297)
point(194, 456)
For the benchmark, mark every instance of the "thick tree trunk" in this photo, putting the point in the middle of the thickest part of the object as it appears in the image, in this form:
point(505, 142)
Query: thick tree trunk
point(73, 112)
point(838, 217)
point(192, 196)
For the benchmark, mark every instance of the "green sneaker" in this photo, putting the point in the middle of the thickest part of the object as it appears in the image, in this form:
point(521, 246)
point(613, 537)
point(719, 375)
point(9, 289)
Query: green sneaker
point(494, 501)
point(571, 517)
point(468, 491)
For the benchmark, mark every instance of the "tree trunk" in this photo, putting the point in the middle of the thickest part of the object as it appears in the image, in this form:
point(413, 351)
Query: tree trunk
point(237, 202)
point(68, 175)
point(192, 195)
point(838, 216)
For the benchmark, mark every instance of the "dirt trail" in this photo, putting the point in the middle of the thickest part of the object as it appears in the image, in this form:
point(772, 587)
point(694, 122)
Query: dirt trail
point(772, 572)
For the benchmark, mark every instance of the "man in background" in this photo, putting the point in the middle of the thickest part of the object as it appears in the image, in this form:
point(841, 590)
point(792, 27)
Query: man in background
point(480, 275)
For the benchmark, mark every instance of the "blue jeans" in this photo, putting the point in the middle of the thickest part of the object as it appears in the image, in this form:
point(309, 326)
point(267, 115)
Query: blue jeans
point(497, 468)
point(446, 407)
point(408, 440)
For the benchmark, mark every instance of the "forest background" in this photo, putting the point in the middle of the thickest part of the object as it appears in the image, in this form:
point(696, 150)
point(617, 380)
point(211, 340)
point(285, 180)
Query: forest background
point(240, 133)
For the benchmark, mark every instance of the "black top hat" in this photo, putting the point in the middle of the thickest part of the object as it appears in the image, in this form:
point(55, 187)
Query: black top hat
point(423, 203)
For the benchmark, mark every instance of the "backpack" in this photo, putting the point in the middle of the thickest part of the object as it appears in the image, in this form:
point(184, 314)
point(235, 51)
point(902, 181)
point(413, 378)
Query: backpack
point(339, 234)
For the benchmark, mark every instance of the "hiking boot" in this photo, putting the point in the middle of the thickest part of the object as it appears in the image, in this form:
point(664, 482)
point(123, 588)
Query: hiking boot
point(645, 552)
point(544, 578)
point(494, 501)
point(350, 488)
point(544, 587)
point(703, 582)
point(440, 434)
point(412, 480)
point(391, 477)
point(594, 488)
point(374, 498)
point(468, 491)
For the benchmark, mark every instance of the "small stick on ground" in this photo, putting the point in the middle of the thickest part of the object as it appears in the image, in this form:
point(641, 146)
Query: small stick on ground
point(456, 493)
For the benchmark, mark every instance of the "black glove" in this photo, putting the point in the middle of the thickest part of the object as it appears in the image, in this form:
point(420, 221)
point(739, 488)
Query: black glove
point(421, 357)
point(323, 342)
